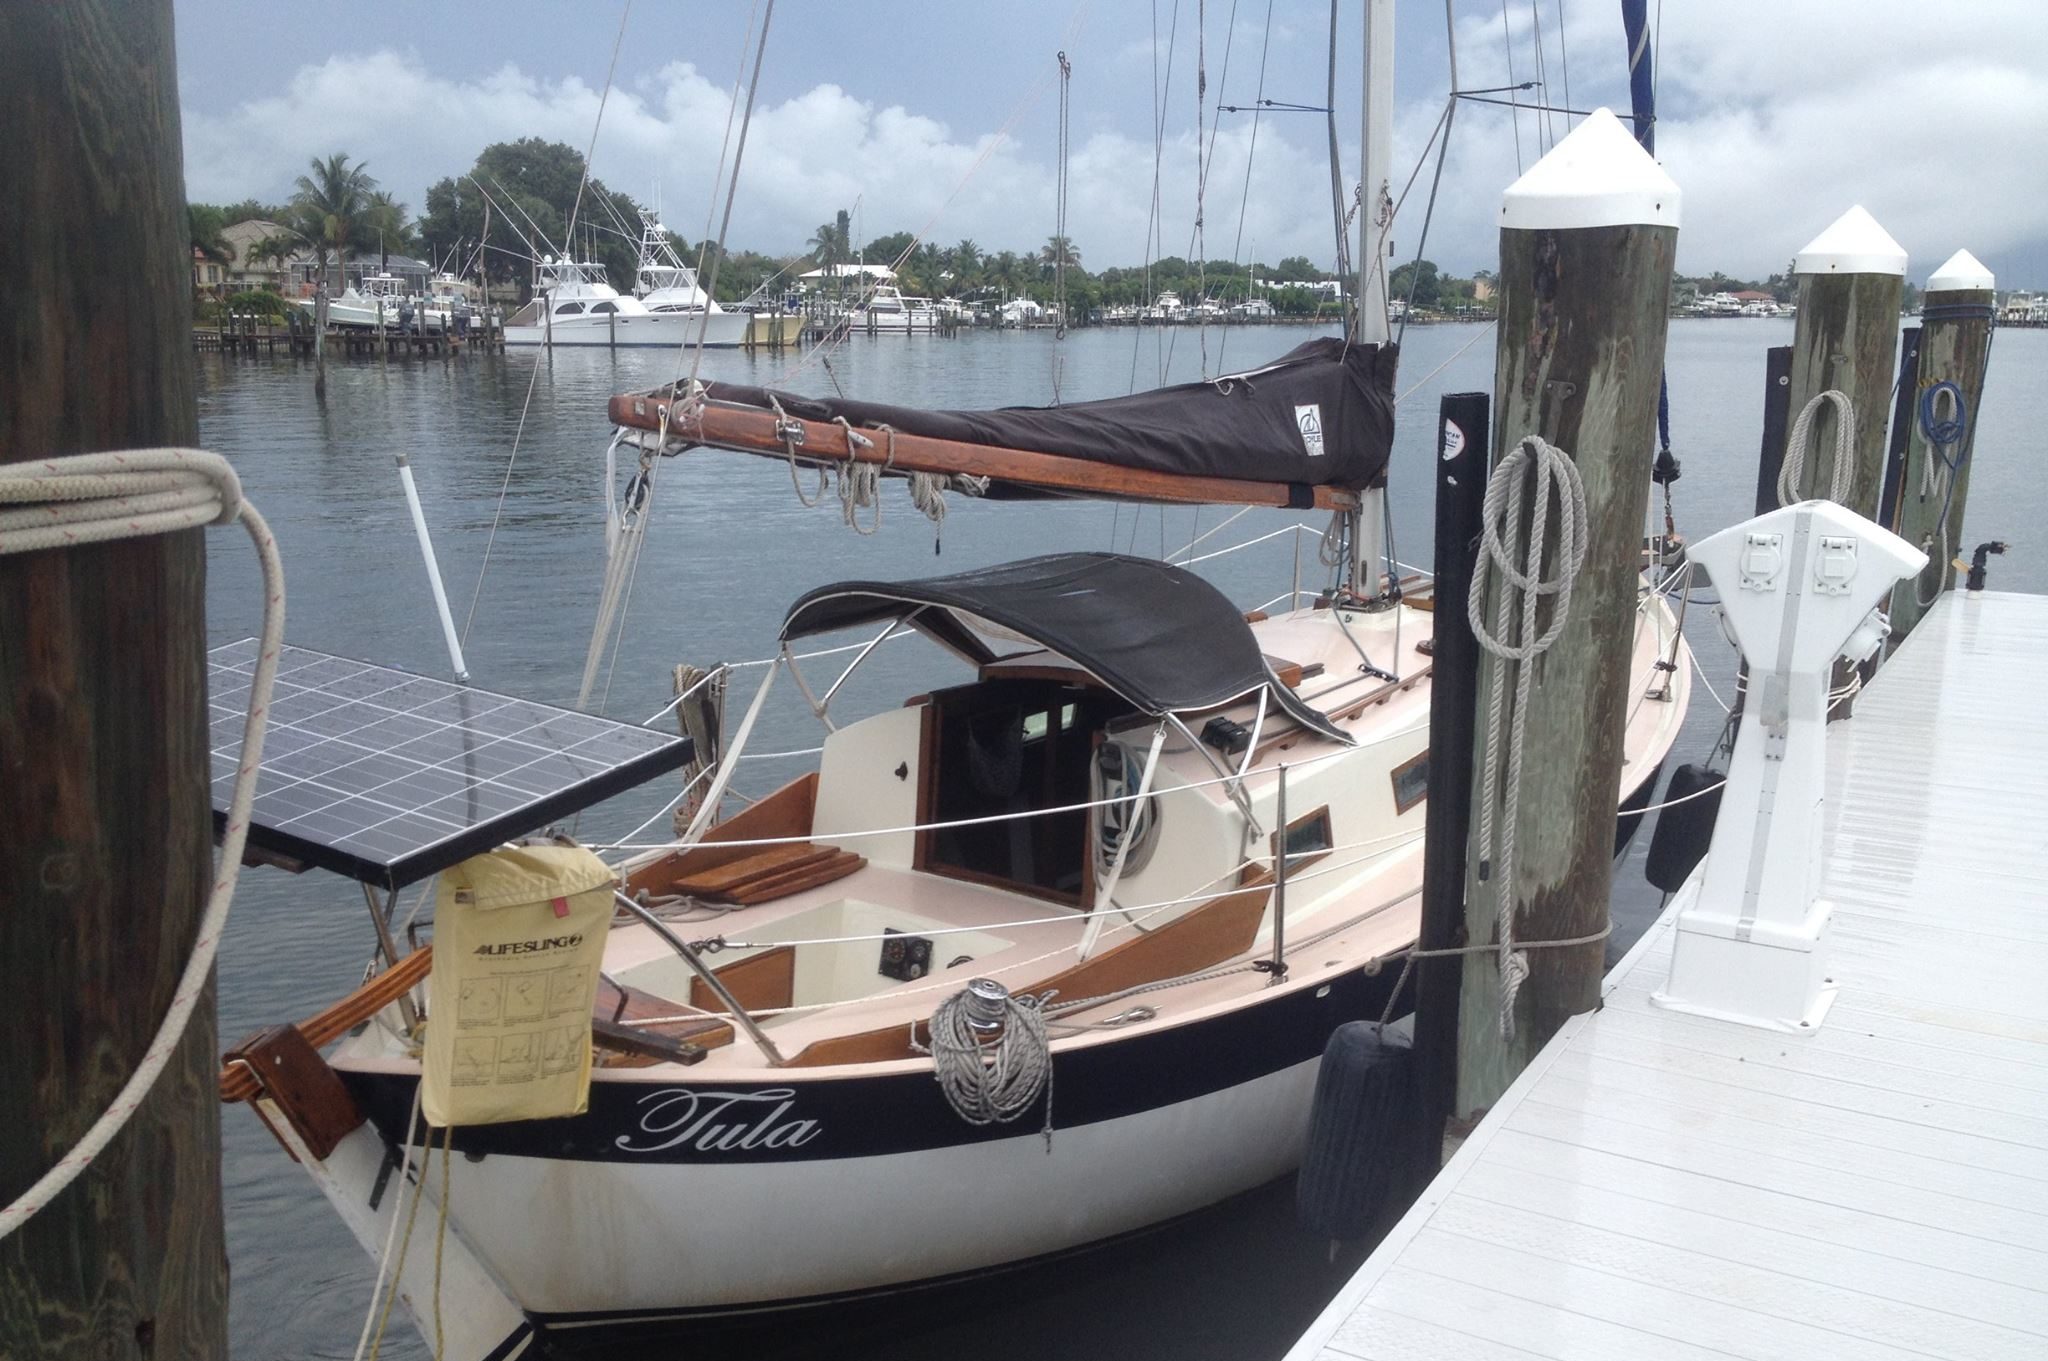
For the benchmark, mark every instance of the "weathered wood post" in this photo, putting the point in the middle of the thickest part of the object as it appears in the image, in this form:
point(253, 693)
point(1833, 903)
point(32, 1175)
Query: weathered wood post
point(1955, 345)
point(320, 342)
point(1852, 278)
point(107, 855)
point(1587, 240)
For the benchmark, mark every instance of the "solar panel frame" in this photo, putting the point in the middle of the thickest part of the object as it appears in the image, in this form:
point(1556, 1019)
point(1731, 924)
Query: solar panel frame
point(388, 777)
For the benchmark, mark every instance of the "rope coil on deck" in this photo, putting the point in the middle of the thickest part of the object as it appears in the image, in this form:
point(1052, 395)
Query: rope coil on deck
point(1540, 468)
point(991, 1055)
point(98, 498)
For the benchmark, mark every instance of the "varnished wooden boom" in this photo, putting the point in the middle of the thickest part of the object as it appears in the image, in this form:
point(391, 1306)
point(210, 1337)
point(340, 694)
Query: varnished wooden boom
point(751, 430)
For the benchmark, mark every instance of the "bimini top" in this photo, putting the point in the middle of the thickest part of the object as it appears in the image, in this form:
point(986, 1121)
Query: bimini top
point(1157, 635)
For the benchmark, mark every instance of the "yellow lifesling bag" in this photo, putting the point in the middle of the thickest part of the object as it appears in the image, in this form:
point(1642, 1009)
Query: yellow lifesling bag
point(519, 936)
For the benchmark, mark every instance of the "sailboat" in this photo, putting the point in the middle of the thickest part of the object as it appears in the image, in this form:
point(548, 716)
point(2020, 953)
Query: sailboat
point(1031, 960)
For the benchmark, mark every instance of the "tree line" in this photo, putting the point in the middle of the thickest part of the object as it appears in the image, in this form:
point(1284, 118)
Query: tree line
point(515, 203)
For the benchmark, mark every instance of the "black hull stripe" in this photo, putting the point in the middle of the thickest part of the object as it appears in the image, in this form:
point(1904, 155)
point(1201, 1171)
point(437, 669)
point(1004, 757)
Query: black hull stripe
point(743, 1123)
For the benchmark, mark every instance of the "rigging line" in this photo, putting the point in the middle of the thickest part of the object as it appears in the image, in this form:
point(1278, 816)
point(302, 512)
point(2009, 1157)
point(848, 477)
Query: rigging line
point(1343, 256)
point(1436, 180)
point(512, 459)
point(1197, 244)
point(718, 177)
point(710, 287)
point(732, 189)
point(1059, 262)
point(820, 350)
point(1251, 151)
point(1507, 38)
point(1423, 159)
point(1538, 108)
point(1564, 59)
point(1153, 239)
point(1657, 55)
point(1542, 73)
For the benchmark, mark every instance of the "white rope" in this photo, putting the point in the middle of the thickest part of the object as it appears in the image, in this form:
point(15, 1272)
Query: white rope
point(1842, 476)
point(95, 498)
point(384, 1261)
point(1521, 588)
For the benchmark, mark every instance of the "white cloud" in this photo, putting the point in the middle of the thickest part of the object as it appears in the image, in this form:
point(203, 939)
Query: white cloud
point(805, 157)
point(1776, 116)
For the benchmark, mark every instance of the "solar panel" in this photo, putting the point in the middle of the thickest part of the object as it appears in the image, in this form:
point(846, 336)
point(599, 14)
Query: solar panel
point(389, 777)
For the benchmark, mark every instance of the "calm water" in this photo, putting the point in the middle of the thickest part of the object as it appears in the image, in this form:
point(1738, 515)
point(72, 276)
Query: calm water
point(729, 548)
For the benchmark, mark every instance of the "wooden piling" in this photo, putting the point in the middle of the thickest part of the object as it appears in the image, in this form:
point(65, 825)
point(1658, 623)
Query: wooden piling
point(1852, 278)
point(320, 343)
point(1587, 243)
point(1955, 347)
point(107, 855)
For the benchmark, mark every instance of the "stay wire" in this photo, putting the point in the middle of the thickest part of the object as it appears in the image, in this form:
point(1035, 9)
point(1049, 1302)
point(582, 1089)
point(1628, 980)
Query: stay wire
point(512, 459)
point(1250, 154)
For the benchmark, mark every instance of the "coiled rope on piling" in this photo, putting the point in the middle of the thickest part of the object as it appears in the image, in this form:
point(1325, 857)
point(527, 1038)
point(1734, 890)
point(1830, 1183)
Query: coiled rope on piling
point(1945, 455)
point(98, 498)
point(1842, 475)
point(1512, 568)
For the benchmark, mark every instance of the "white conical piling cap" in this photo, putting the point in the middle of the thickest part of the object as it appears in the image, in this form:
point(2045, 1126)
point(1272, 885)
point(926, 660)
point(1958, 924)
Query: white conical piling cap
point(1852, 244)
point(1596, 177)
point(1963, 272)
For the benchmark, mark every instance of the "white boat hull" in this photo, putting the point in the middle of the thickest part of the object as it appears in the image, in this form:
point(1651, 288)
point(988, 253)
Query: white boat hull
point(668, 329)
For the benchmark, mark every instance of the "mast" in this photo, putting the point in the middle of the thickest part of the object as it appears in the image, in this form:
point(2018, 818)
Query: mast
point(1369, 316)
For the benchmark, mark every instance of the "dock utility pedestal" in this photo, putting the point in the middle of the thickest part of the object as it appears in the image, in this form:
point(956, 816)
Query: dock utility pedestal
point(1799, 587)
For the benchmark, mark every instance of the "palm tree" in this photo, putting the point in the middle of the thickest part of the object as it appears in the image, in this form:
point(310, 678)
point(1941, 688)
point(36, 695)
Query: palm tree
point(384, 220)
point(965, 262)
point(1060, 250)
point(332, 207)
point(826, 247)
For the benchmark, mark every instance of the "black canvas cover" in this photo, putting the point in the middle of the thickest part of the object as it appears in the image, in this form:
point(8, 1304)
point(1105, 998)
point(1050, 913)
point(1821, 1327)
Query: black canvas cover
point(1322, 415)
point(1158, 635)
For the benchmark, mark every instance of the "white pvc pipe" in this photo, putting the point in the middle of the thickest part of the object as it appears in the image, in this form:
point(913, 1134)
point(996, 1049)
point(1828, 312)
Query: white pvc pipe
point(419, 525)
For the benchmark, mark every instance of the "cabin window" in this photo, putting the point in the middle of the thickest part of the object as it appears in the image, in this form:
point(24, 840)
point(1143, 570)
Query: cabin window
point(604, 307)
point(1411, 782)
point(568, 309)
point(1306, 840)
point(1012, 746)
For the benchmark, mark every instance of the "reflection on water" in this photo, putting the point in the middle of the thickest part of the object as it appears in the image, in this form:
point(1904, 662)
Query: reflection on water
point(729, 547)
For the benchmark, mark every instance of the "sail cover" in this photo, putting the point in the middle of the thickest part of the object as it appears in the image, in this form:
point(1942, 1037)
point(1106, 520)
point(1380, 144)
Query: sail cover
point(1158, 635)
point(1322, 415)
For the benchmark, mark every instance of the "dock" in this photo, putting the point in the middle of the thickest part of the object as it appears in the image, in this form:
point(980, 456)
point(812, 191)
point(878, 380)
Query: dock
point(1659, 1184)
point(292, 334)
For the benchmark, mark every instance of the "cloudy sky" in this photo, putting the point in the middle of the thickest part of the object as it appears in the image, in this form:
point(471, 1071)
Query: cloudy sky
point(940, 116)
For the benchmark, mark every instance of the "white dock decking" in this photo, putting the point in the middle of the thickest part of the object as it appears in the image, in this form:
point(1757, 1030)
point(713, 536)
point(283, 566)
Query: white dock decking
point(1663, 1185)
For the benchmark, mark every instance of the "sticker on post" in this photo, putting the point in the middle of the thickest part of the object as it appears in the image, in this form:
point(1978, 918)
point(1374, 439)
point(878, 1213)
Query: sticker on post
point(1310, 418)
point(1454, 440)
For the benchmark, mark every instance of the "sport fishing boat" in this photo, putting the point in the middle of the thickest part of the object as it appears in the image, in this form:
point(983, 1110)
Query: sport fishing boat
point(1145, 857)
point(572, 305)
point(666, 285)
